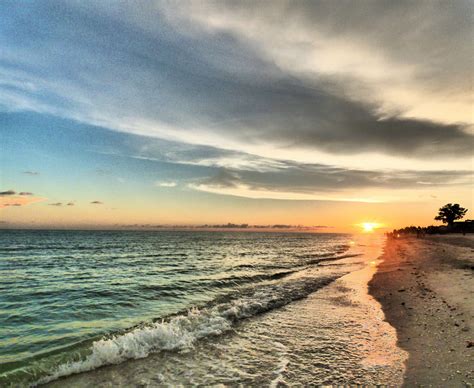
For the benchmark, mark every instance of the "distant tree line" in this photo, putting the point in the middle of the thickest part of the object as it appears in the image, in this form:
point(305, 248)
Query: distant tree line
point(448, 214)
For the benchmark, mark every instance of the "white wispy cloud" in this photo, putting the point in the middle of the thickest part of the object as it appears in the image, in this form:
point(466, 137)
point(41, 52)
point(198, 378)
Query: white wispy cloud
point(165, 184)
point(246, 191)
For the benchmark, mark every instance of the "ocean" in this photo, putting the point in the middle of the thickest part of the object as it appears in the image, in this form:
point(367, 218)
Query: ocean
point(158, 308)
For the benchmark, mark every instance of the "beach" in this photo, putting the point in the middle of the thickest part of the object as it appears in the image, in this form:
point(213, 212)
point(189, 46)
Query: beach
point(425, 287)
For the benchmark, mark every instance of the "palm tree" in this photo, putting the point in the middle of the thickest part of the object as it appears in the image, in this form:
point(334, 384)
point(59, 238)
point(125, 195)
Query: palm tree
point(450, 213)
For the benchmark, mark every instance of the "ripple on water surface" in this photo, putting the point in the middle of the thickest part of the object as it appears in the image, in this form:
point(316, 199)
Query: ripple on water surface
point(73, 301)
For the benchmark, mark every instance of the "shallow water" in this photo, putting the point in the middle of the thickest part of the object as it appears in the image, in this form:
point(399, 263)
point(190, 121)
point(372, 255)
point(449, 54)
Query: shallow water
point(192, 307)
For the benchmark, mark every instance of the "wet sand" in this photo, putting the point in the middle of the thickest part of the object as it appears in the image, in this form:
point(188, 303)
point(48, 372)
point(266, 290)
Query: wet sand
point(426, 289)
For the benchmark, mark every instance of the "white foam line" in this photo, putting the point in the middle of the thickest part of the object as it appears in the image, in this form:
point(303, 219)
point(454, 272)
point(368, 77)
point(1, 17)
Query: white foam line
point(183, 331)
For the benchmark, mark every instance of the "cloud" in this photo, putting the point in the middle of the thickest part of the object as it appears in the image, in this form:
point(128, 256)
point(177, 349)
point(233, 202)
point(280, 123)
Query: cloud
point(223, 179)
point(12, 199)
point(305, 177)
point(320, 182)
point(61, 204)
point(31, 172)
point(7, 192)
point(165, 184)
point(12, 192)
point(160, 150)
point(392, 50)
point(293, 78)
point(97, 203)
point(252, 176)
point(231, 225)
point(246, 191)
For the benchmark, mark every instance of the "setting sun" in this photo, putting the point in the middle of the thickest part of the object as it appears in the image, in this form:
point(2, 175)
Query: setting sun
point(369, 226)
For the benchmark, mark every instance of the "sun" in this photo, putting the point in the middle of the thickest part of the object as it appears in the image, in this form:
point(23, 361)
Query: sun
point(369, 226)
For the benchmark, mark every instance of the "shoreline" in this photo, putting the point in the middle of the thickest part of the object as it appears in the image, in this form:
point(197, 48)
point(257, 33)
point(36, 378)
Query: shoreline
point(381, 350)
point(425, 288)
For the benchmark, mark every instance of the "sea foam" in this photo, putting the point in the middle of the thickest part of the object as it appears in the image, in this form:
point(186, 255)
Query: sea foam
point(182, 331)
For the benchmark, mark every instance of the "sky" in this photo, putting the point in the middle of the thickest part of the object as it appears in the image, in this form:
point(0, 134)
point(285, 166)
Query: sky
point(314, 113)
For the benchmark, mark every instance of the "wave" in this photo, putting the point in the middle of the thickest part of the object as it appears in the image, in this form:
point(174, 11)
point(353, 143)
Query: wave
point(65, 247)
point(223, 282)
point(182, 331)
point(331, 258)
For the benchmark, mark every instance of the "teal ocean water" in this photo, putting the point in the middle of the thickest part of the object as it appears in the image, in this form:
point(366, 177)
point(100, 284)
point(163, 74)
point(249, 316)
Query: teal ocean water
point(80, 301)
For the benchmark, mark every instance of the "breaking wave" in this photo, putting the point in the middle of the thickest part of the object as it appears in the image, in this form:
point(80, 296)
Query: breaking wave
point(182, 331)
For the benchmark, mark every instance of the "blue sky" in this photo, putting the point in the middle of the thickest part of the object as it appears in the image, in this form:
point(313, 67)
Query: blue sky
point(191, 112)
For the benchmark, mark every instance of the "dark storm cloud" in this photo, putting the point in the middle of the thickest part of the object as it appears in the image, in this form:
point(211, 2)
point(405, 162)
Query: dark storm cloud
point(134, 64)
point(97, 203)
point(25, 193)
point(70, 204)
point(56, 204)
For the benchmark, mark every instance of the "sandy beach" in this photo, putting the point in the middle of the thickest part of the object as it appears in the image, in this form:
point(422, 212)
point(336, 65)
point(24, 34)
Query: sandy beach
point(426, 288)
